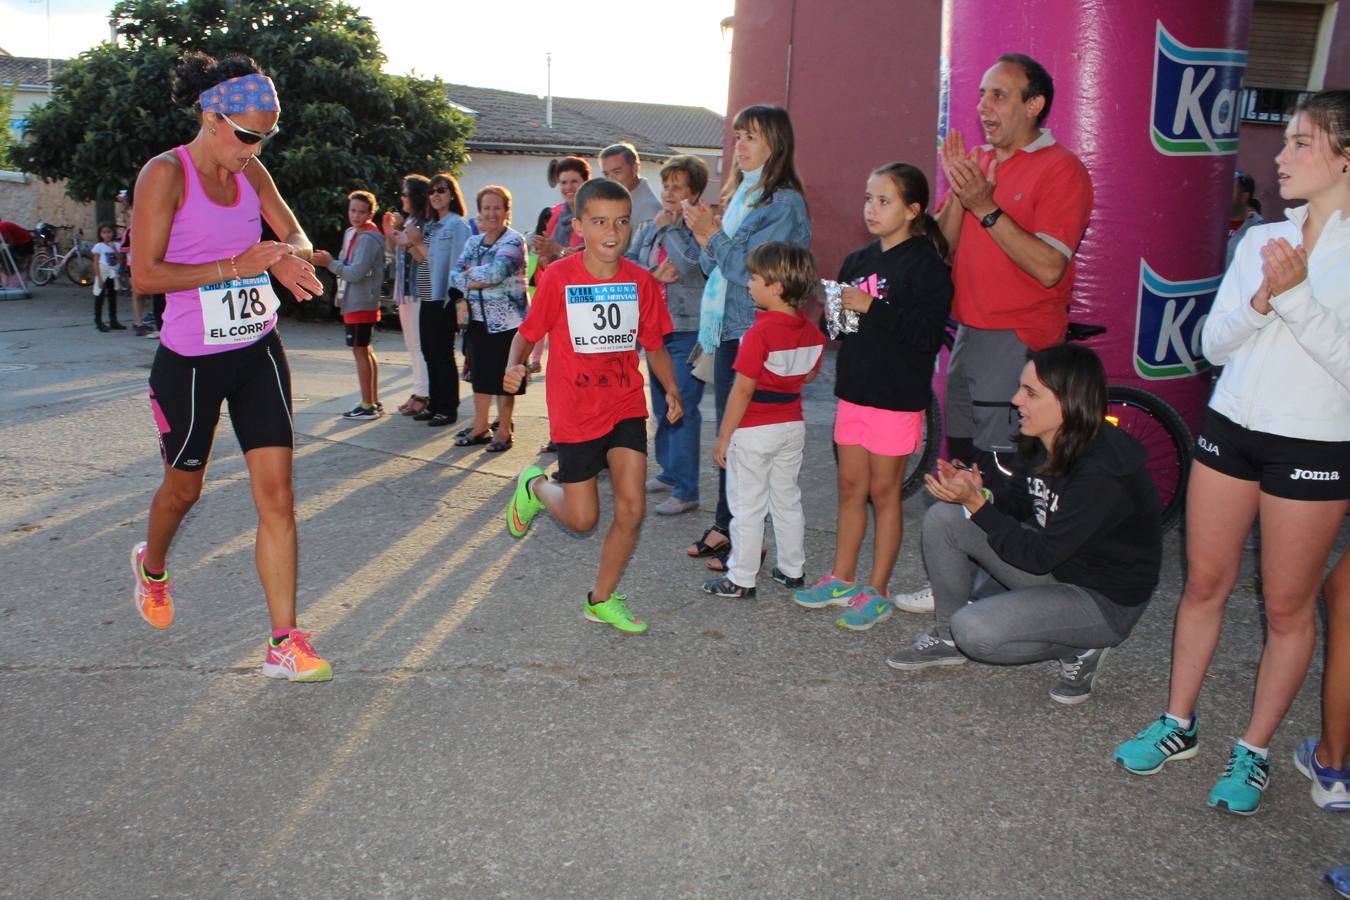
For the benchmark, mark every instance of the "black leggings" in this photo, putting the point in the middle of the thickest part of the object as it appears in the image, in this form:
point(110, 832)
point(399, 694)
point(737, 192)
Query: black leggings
point(436, 327)
point(108, 293)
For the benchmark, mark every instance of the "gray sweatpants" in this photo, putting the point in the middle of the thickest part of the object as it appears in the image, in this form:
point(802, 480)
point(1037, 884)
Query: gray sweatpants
point(1014, 616)
point(985, 369)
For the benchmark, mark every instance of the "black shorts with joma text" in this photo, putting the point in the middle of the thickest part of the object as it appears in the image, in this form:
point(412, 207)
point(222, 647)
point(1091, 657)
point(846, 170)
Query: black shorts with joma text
point(186, 393)
point(1292, 468)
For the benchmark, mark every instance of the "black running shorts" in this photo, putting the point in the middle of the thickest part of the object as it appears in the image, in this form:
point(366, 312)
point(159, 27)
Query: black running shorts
point(1292, 468)
point(186, 393)
point(583, 461)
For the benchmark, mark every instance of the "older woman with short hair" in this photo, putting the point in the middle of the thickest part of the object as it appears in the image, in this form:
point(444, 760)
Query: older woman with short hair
point(490, 278)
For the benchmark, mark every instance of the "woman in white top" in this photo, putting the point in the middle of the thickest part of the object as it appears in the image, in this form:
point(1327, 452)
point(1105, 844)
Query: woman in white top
point(1276, 439)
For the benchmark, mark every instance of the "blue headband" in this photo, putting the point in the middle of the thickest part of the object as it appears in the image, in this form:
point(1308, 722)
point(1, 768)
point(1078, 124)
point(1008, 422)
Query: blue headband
point(247, 93)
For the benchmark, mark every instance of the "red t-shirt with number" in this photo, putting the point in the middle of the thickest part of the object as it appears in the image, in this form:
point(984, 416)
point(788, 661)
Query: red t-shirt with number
point(591, 389)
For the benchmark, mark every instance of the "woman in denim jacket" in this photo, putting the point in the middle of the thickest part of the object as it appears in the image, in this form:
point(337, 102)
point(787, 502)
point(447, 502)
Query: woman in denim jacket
point(445, 241)
point(762, 202)
point(489, 278)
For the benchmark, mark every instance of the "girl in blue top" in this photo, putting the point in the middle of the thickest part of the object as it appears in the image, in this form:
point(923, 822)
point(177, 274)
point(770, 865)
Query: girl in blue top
point(761, 202)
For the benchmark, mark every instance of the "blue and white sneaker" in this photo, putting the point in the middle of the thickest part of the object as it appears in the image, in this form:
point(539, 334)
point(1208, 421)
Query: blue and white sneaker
point(1159, 743)
point(828, 591)
point(865, 609)
point(1242, 783)
point(1340, 879)
point(1330, 787)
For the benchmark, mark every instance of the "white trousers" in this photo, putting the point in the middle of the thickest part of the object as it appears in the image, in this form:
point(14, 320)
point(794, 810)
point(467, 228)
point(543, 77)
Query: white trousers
point(409, 317)
point(762, 467)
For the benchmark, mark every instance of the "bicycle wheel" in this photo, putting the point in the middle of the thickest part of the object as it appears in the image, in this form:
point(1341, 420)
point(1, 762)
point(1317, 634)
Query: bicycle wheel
point(924, 457)
point(1152, 422)
point(80, 269)
point(41, 269)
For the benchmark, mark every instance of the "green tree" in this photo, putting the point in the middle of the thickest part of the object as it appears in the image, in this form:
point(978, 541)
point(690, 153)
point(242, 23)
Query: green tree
point(6, 141)
point(344, 123)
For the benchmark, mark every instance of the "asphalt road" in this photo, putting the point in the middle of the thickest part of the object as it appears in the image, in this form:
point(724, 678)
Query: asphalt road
point(480, 739)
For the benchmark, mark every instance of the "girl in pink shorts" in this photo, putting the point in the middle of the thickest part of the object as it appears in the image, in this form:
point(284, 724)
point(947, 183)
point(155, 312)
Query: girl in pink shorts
point(902, 290)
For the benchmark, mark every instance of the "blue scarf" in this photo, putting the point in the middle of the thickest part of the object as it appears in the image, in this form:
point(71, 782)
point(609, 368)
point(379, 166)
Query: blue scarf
point(715, 291)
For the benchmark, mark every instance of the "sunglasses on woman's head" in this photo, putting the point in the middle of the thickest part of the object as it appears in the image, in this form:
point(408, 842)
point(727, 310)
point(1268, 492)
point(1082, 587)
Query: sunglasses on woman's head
point(248, 135)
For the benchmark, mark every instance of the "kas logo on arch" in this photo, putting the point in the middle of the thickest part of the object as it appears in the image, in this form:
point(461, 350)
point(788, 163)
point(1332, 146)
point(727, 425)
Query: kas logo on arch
point(1195, 98)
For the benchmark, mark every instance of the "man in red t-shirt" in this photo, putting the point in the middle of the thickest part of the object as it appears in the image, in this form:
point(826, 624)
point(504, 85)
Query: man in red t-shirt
point(596, 308)
point(1016, 212)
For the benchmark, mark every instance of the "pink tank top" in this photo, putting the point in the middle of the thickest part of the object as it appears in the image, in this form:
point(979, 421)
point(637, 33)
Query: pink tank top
point(204, 231)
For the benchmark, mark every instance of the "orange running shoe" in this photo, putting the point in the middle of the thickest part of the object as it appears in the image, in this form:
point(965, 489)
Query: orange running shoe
point(295, 659)
point(152, 599)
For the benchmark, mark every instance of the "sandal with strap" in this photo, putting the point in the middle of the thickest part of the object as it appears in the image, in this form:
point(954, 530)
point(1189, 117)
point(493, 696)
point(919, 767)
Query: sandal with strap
point(473, 440)
point(719, 561)
point(725, 587)
point(496, 446)
point(701, 547)
point(415, 406)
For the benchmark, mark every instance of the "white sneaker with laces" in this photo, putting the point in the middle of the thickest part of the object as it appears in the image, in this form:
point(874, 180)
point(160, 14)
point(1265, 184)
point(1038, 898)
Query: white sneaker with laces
point(919, 602)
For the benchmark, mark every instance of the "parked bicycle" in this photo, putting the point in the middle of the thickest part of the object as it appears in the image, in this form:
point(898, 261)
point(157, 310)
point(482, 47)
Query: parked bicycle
point(49, 261)
point(1143, 415)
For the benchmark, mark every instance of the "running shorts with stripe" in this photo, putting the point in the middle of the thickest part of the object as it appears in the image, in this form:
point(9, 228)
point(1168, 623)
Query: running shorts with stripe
point(186, 393)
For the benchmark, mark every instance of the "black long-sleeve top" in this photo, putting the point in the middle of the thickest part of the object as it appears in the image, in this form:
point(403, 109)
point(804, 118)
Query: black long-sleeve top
point(888, 362)
point(1096, 527)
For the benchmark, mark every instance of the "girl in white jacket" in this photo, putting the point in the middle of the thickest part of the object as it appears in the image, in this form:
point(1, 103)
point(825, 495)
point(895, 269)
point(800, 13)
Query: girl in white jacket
point(1276, 439)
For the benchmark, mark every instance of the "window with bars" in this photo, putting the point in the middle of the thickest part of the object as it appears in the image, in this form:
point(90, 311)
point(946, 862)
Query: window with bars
point(1282, 58)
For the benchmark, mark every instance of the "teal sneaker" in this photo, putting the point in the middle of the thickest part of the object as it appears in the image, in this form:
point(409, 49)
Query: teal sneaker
point(1159, 743)
point(865, 609)
point(524, 504)
point(828, 591)
point(614, 611)
point(1239, 788)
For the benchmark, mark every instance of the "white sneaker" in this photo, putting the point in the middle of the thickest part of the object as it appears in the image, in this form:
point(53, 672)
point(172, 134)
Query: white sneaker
point(656, 485)
point(673, 506)
point(920, 601)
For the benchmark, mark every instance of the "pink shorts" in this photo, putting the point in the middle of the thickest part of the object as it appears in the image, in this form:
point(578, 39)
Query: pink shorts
point(885, 432)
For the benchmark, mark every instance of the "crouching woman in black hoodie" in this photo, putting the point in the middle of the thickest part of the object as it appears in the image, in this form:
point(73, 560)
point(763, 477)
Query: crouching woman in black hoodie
point(1060, 563)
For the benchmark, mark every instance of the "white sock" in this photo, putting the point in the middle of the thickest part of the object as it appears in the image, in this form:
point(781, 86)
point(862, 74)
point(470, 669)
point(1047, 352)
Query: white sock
point(1184, 722)
point(1263, 752)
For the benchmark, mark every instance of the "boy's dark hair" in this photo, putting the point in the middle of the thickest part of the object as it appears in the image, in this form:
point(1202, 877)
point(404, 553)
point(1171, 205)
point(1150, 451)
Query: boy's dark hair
point(367, 198)
point(1039, 82)
point(791, 265)
point(693, 167)
point(600, 189)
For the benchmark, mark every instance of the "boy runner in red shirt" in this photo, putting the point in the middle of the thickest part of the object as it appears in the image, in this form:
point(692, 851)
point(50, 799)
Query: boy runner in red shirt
point(596, 308)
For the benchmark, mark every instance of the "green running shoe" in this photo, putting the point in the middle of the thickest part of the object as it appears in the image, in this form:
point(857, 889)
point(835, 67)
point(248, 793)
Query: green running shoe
point(614, 611)
point(1159, 743)
point(1239, 788)
point(524, 504)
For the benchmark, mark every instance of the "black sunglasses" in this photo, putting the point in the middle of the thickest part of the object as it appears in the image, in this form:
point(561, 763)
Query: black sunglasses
point(440, 190)
point(248, 135)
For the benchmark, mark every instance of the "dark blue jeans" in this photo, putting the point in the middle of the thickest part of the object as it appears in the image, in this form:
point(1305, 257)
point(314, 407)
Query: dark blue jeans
point(677, 446)
point(723, 377)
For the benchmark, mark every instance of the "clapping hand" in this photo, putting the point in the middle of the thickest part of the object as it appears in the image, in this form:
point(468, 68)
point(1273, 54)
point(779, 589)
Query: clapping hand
point(969, 183)
point(955, 482)
point(1284, 265)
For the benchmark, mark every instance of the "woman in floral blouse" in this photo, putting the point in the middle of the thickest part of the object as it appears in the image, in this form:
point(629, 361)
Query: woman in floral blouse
point(490, 279)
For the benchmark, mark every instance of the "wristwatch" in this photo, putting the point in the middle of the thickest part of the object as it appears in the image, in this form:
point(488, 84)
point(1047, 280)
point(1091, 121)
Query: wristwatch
point(989, 220)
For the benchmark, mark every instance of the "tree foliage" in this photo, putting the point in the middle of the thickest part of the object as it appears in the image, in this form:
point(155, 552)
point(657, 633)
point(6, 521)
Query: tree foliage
point(344, 123)
point(6, 141)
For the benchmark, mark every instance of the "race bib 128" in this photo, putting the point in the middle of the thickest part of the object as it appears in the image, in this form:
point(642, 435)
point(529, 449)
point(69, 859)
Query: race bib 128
point(238, 311)
point(603, 318)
